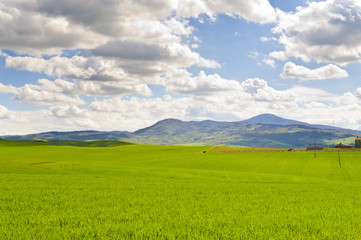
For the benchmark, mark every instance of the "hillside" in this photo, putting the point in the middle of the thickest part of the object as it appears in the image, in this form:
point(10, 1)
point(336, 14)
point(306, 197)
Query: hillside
point(74, 143)
point(264, 130)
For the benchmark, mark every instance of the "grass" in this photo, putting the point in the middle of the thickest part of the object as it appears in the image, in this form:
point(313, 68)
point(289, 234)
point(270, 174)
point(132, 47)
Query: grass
point(176, 192)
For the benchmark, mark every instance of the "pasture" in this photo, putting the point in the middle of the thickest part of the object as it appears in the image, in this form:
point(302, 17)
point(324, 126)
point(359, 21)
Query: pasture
point(176, 192)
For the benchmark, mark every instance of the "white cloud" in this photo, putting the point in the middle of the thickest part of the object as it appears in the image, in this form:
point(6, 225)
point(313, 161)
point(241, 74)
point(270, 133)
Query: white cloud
point(28, 95)
point(291, 70)
point(260, 91)
point(118, 68)
point(7, 89)
point(63, 89)
point(259, 11)
point(128, 43)
point(34, 95)
point(347, 98)
point(270, 62)
point(253, 54)
point(125, 45)
point(4, 112)
point(72, 115)
point(65, 111)
point(249, 98)
point(174, 54)
point(76, 67)
point(203, 84)
point(325, 31)
point(151, 109)
point(308, 94)
point(37, 34)
point(358, 92)
point(279, 55)
point(267, 39)
point(42, 27)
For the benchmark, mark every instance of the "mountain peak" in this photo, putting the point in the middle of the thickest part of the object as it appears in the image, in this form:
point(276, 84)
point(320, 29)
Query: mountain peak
point(268, 118)
point(165, 123)
point(168, 120)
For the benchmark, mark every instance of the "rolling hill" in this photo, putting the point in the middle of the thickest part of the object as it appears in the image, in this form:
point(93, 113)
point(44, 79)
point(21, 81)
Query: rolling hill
point(265, 130)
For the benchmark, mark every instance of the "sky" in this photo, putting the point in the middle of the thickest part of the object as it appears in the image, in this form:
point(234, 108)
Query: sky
point(125, 64)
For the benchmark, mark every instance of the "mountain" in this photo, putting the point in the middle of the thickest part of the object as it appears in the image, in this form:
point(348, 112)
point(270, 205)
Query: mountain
point(268, 118)
point(265, 130)
point(77, 135)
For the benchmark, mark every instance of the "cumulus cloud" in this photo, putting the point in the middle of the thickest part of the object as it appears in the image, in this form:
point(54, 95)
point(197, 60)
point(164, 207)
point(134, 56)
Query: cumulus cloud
point(279, 55)
point(202, 84)
point(259, 11)
point(35, 95)
point(39, 26)
point(251, 97)
point(76, 67)
point(174, 54)
point(260, 91)
point(325, 31)
point(72, 115)
point(309, 94)
point(4, 112)
point(349, 98)
point(28, 95)
point(291, 70)
point(7, 89)
point(116, 64)
point(308, 104)
point(64, 111)
point(270, 62)
point(124, 45)
point(37, 34)
point(65, 90)
point(358, 93)
point(143, 108)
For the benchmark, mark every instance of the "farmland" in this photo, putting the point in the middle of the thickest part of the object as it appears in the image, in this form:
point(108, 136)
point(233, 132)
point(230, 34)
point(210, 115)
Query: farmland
point(169, 192)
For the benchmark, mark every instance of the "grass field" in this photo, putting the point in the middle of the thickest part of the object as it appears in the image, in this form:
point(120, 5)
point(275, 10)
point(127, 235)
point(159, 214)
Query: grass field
point(176, 192)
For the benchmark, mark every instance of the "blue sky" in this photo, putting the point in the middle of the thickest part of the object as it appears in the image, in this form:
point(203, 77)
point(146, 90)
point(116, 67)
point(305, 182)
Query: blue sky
point(123, 65)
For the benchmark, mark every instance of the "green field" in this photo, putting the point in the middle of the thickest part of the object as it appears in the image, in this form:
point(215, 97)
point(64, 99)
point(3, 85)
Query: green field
point(176, 192)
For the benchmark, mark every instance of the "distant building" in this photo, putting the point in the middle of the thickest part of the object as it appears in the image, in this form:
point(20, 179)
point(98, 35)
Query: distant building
point(341, 145)
point(358, 142)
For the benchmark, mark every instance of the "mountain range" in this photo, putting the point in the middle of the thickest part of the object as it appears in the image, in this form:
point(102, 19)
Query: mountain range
point(265, 130)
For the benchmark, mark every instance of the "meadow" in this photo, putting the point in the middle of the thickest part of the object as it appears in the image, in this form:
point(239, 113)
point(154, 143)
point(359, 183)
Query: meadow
point(176, 192)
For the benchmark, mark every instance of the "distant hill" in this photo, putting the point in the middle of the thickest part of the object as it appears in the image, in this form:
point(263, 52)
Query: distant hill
point(76, 135)
point(273, 119)
point(265, 130)
point(74, 143)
